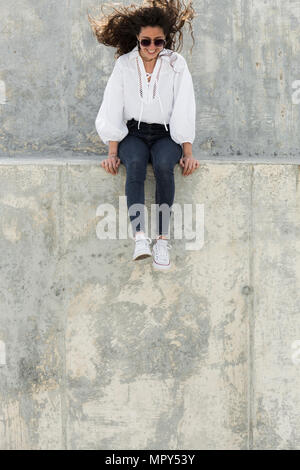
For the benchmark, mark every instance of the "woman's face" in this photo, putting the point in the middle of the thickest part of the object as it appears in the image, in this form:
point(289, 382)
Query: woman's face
point(151, 32)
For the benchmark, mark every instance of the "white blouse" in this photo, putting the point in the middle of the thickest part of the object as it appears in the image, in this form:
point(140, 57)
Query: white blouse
point(168, 98)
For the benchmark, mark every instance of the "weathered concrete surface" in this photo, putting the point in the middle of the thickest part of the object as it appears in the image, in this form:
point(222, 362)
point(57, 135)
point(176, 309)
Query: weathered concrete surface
point(32, 321)
point(104, 353)
point(245, 67)
point(276, 320)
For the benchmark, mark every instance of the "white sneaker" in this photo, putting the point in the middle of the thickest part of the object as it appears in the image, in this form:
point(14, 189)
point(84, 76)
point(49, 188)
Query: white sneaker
point(161, 258)
point(142, 247)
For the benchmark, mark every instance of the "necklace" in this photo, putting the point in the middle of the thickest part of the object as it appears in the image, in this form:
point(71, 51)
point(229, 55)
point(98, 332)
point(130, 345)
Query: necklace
point(148, 74)
point(150, 60)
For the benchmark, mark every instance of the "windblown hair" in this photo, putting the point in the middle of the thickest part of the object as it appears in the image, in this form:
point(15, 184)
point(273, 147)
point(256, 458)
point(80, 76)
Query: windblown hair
point(120, 27)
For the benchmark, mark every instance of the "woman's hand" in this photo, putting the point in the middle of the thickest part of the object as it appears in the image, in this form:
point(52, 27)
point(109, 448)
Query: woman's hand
point(111, 164)
point(189, 164)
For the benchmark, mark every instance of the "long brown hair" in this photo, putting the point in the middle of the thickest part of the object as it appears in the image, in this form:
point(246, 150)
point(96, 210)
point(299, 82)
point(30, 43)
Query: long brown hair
point(120, 27)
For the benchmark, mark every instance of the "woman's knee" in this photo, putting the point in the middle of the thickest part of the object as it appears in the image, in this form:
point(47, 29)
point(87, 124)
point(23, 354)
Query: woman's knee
point(165, 155)
point(133, 153)
point(136, 170)
point(163, 166)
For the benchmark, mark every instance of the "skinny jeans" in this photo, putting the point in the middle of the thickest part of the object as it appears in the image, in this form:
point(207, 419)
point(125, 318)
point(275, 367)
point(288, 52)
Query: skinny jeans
point(153, 144)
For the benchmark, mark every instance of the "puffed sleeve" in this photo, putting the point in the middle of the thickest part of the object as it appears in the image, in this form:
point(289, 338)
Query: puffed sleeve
point(110, 123)
point(183, 117)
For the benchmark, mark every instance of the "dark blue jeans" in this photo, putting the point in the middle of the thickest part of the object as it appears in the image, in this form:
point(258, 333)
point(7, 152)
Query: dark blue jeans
point(151, 143)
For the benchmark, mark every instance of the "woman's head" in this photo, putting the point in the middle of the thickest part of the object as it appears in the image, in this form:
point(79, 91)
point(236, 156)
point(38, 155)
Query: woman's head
point(127, 26)
point(151, 40)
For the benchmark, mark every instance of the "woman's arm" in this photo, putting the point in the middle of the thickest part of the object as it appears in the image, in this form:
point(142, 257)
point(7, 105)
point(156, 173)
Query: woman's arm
point(110, 123)
point(187, 161)
point(113, 148)
point(112, 163)
point(187, 149)
point(183, 115)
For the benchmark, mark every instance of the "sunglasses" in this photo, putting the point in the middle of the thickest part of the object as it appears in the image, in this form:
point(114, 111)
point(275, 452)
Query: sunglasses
point(147, 42)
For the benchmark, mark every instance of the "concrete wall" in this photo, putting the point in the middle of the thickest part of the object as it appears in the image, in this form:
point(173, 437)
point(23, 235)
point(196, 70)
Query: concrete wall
point(245, 63)
point(105, 353)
